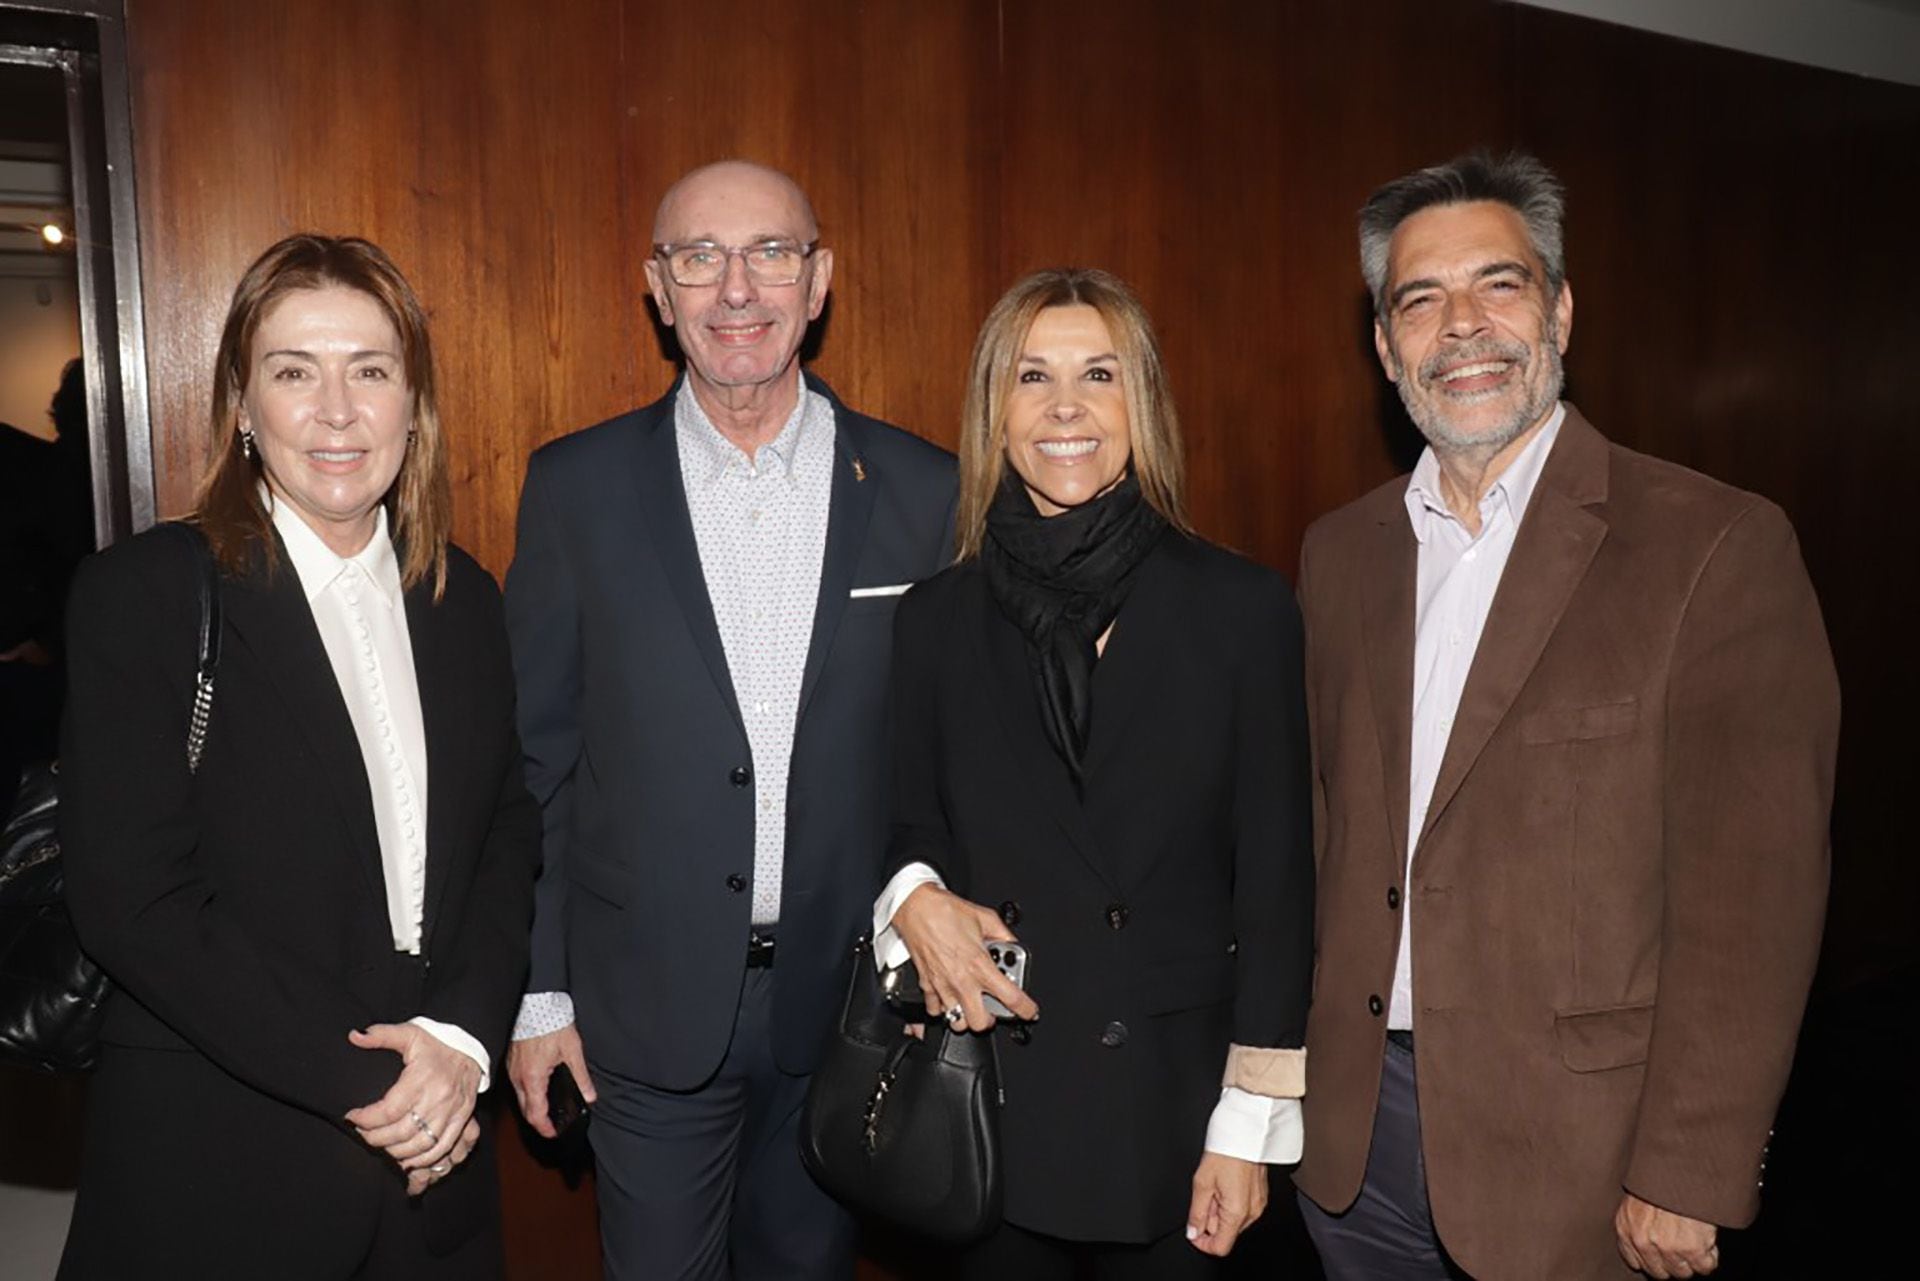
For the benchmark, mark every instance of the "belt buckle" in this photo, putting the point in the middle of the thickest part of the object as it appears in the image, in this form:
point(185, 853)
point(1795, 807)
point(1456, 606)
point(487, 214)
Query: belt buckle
point(760, 948)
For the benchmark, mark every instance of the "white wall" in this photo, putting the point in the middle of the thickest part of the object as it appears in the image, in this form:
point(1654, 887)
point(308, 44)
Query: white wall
point(1878, 38)
point(36, 342)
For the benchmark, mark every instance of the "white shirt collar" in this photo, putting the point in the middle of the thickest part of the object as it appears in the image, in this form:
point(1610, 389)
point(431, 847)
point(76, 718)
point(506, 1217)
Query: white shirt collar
point(318, 565)
point(1513, 490)
point(712, 454)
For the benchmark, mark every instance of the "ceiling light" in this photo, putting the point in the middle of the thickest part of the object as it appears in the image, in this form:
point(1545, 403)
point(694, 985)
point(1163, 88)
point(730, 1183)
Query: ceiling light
point(52, 234)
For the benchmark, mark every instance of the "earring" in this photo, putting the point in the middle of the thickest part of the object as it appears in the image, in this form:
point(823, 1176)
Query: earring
point(246, 443)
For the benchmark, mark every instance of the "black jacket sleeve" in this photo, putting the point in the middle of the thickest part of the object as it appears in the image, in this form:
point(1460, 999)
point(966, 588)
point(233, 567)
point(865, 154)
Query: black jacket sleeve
point(920, 832)
point(137, 886)
point(1273, 853)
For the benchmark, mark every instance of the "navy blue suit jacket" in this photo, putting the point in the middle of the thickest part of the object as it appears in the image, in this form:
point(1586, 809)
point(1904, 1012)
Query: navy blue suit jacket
point(637, 752)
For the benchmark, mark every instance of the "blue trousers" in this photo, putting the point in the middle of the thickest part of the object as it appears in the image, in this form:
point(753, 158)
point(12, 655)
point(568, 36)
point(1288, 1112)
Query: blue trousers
point(707, 1184)
point(1387, 1233)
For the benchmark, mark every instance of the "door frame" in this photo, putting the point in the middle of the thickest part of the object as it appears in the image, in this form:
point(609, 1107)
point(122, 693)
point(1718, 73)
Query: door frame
point(85, 41)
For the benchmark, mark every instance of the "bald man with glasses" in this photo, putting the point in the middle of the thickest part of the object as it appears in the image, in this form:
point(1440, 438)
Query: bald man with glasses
point(701, 608)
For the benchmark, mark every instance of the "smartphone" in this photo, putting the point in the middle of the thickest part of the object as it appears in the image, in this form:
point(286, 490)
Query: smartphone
point(566, 1106)
point(902, 983)
point(1011, 960)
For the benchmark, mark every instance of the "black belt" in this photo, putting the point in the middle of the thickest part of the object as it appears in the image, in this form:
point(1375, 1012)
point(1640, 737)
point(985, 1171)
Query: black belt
point(759, 949)
point(1401, 1037)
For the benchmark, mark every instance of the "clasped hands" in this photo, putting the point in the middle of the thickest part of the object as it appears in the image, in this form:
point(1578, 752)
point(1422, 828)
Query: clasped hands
point(425, 1119)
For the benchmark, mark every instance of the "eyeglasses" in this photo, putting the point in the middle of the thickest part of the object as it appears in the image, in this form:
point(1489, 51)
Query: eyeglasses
point(768, 262)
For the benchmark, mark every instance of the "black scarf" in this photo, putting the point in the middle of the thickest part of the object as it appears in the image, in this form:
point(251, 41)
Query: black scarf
point(1060, 580)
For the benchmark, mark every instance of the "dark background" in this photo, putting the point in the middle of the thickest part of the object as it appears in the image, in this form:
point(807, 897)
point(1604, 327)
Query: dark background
point(1739, 240)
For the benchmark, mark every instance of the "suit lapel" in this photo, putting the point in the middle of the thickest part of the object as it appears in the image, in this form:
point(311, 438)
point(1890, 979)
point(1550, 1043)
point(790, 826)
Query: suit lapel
point(1387, 605)
point(1557, 541)
point(272, 620)
point(854, 486)
point(1003, 658)
point(663, 505)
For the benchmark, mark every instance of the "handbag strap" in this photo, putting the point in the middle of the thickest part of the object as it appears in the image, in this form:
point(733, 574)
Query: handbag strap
point(207, 664)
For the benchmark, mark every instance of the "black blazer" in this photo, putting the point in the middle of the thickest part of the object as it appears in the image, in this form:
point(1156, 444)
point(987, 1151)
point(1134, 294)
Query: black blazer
point(636, 749)
point(241, 911)
point(1168, 913)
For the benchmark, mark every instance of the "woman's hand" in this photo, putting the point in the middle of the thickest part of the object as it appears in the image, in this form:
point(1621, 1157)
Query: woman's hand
point(1228, 1196)
point(419, 1181)
point(421, 1121)
point(947, 937)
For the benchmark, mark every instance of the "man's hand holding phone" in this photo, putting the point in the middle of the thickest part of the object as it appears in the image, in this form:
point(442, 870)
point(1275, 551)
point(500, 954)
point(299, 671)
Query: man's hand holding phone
point(536, 1064)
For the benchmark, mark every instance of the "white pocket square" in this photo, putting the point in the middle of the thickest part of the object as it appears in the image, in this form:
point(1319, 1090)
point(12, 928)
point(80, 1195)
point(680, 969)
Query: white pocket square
point(860, 593)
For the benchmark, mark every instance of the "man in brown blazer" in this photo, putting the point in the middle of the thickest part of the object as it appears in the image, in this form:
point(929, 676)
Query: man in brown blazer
point(1574, 723)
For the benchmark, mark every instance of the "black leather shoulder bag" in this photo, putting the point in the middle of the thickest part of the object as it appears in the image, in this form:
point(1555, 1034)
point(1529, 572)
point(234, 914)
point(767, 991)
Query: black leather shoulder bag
point(51, 994)
point(903, 1128)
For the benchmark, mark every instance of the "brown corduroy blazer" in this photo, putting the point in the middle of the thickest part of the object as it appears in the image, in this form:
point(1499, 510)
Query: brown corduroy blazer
point(1618, 894)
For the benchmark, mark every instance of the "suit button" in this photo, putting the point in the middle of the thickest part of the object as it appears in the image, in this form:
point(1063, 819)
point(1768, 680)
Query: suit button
point(1393, 897)
point(1374, 1006)
point(1114, 1035)
point(740, 776)
point(1010, 913)
point(1020, 1034)
point(736, 882)
point(1117, 915)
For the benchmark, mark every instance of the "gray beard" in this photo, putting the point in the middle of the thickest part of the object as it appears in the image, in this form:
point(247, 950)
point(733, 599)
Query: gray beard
point(1440, 434)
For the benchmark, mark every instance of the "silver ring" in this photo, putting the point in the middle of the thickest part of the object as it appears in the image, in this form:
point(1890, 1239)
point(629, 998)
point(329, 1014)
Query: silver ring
point(420, 1122)
point(955, 1013)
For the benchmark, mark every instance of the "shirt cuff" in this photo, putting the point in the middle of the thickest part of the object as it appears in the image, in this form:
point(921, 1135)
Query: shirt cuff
point(541, 1013)
point(457, 1039)
point(1253, 1127)
point(889, 950)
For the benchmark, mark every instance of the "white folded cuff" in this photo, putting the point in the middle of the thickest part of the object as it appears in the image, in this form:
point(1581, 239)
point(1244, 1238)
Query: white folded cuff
point(1253, 1127)
point(889, 949)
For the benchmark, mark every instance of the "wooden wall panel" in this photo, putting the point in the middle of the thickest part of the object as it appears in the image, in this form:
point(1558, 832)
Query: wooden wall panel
point(1731, 243)
point(479, 146)
point(880, 111)
point(1729, 238)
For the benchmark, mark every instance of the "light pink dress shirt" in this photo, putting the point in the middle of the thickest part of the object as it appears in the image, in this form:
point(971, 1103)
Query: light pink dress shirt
point(1459, 573)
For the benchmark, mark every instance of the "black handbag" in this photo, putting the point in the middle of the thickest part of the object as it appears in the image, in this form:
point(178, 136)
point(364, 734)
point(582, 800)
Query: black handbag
point(903, 1128)
point(51, 994)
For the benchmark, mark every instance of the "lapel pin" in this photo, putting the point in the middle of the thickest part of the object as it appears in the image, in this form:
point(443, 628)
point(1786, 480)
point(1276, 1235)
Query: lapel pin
point(859, 469)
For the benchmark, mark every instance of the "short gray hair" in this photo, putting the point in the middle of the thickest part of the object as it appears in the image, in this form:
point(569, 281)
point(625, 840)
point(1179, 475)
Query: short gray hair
point(1516, 180)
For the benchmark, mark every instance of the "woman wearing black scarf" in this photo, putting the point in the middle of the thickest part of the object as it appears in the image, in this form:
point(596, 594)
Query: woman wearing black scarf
point(1101, 749)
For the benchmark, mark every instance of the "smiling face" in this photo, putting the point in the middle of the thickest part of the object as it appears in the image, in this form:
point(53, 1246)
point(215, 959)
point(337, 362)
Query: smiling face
point(1067, 428)
point(328, 405)
point(737, 334)
point(1470, 336)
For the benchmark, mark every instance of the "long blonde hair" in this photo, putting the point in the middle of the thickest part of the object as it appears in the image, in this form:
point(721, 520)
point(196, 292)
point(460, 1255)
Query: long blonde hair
point(420, 502)
point(1158, 458)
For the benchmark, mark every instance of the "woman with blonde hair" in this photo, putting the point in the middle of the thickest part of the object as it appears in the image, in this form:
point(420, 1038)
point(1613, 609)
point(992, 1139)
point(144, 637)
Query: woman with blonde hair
point(317, 930)
point(1101, 750)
